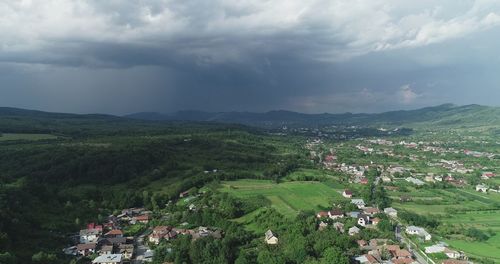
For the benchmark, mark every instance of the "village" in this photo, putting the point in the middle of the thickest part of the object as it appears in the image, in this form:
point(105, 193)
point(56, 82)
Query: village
point(106, 243)
point(111, 242)
point(438, 171)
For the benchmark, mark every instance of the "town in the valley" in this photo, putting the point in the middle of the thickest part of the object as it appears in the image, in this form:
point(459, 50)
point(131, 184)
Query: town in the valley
point(381, 186)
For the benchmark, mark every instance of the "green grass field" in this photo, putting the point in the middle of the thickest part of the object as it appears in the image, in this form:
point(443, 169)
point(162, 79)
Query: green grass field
point(287, 198)
point(7, 137)
point(489, 249)
point(468, 208)
point(484, 220)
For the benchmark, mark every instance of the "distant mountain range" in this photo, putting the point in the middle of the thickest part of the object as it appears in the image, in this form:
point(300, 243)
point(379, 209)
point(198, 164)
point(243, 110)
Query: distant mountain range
point(446, 114)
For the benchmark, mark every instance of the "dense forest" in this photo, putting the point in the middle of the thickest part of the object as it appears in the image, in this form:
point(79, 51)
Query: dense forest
point(49, 188)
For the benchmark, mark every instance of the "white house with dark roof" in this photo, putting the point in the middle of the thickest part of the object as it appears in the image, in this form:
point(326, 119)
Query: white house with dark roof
point(335, 213)
point(363, 220)
point(347, 193)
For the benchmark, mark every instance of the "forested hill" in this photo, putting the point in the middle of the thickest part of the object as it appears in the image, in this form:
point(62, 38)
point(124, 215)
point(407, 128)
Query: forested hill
point(90, 166)
point(447, 115)
point(444, 115)
point(14, 120)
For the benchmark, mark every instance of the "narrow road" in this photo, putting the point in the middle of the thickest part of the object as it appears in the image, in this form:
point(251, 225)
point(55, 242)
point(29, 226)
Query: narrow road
point(140, 248)
point(412, 247)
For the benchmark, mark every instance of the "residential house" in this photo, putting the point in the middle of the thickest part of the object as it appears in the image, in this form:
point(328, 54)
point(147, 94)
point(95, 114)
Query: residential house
point(89, 235)
point(115, 241)
point(205, 231)
point(353, 231)
point(94, 226)
point(322, 214)
point(363, 220)
point(159, 232)
point(481, 188)
point(453, 254)
point(335, 214)
point(367, 259)
point(144, 219)
point(419, 231)
point(354, 214)
point(429, 178)
point(402, 254)
point(375, 221)
point(271, 238)
point(184, 194)
point(148, 255)
point(363, 181)
point(391, 212)
point(362, 243)
point(487, 175)
point(132, 211)
point(108, 259)
point(114, 233)
point(322, 226)
point(371, 211)
point(86, 249)
point(127, 250)
point(106, 250)
point(386, 178)
point(438, 248)
point(358, 202)
point(404, 261)
point(347, 193)
point(415, 181)
point(339, 227)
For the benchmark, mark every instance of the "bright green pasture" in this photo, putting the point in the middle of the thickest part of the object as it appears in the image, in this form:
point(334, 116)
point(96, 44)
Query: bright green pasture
point(287, 198)
point(445, 201)
point(489, 249)
point(8, 136)
point(466, 207)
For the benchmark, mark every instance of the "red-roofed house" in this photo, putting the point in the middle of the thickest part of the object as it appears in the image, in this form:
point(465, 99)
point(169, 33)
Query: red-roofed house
point(347, 194)
point(114, 233)
point(159, 233)
point(142, 218)
point(322, 214)
point(94, 226)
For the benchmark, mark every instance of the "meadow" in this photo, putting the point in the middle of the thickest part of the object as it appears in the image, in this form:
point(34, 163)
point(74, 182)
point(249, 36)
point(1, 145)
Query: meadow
point(488, 221)
point(288, 198)
point(464, 207)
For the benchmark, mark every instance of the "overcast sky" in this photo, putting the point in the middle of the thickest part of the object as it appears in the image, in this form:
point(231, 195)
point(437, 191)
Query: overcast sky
point(248, 55)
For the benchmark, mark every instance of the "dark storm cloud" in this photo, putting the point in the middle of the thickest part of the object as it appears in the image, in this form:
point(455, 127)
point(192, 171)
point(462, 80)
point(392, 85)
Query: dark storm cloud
point(315, 56)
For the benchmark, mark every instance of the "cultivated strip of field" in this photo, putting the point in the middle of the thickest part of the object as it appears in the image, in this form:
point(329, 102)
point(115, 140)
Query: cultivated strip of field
point(464, 207)
point(287, 198)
